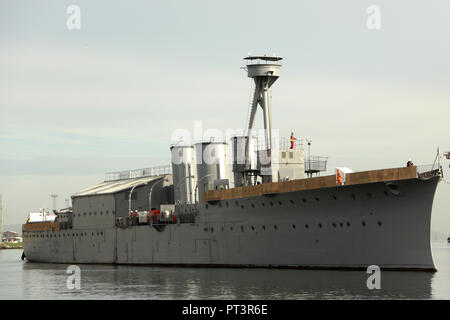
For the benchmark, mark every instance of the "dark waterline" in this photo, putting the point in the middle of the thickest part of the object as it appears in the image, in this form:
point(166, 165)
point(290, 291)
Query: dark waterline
point(22, 280)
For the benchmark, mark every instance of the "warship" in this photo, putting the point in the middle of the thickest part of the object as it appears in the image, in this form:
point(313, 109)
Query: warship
point(247, 201)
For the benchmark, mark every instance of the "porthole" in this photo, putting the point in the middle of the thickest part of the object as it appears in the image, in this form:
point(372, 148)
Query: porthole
point(271, 203)
point(222, 228)
point(95, 213)
point(237, 203)
point(275, 227)
point(306, 226)
point(264, 227)
point(90, 213)
point(379, 223)
point(242, 228)
point(206, 206)
point(231, 228)
point(242, 206)
point(353, 196)
point(220, 205)
point(253, 205)
point(386, 193)
point(304, 200)
point(263, 204)
point(348, 224)
point(280, 203)
point(293, 226)
point(334, 224)
point(363, 223)
point(317, 199)
point(84, 213)
point(212, 229)
point(341, 224)
point(253, 228)
point(369, 195)
point(334, 197)
point(320, 225)
point(226, 203)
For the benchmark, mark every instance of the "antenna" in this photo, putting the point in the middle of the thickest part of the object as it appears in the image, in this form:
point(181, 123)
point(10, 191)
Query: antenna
point(308, 169)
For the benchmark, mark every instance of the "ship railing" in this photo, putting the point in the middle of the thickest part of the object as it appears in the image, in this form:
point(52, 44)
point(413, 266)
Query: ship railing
point(138, 173)
point(316, 164)
point(283, 144)
point(127, 221)
point(428, 170)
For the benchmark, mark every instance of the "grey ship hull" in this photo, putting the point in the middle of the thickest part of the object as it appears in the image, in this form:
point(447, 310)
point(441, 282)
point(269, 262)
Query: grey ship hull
point(340, 227)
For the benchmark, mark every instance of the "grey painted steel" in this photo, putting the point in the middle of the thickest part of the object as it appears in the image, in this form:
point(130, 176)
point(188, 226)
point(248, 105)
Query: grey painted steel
point(212, 164)
point(184, 173)
point(340, 227)
point(264, 76)
point(244, 161)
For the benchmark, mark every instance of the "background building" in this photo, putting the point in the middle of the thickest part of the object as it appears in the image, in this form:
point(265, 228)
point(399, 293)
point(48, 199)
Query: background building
point(1, 215)
point(11, 236)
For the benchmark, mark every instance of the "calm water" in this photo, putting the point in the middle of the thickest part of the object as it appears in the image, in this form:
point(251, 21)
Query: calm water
point(22, 280)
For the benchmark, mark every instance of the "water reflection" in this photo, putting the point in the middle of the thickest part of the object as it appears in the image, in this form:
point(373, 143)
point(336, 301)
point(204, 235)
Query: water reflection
point(48, 281)
point(134, 282)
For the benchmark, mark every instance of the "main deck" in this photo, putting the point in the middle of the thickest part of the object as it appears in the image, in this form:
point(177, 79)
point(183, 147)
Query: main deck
point(363, 177)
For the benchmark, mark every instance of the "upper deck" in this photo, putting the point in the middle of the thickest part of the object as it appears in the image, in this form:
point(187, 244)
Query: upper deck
point(355, 178)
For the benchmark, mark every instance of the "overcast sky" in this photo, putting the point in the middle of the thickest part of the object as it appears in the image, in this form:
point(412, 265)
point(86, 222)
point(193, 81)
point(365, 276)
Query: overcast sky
point(75, 104)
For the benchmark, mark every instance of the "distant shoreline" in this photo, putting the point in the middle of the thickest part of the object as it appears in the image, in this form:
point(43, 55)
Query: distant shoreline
point(5, 245)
